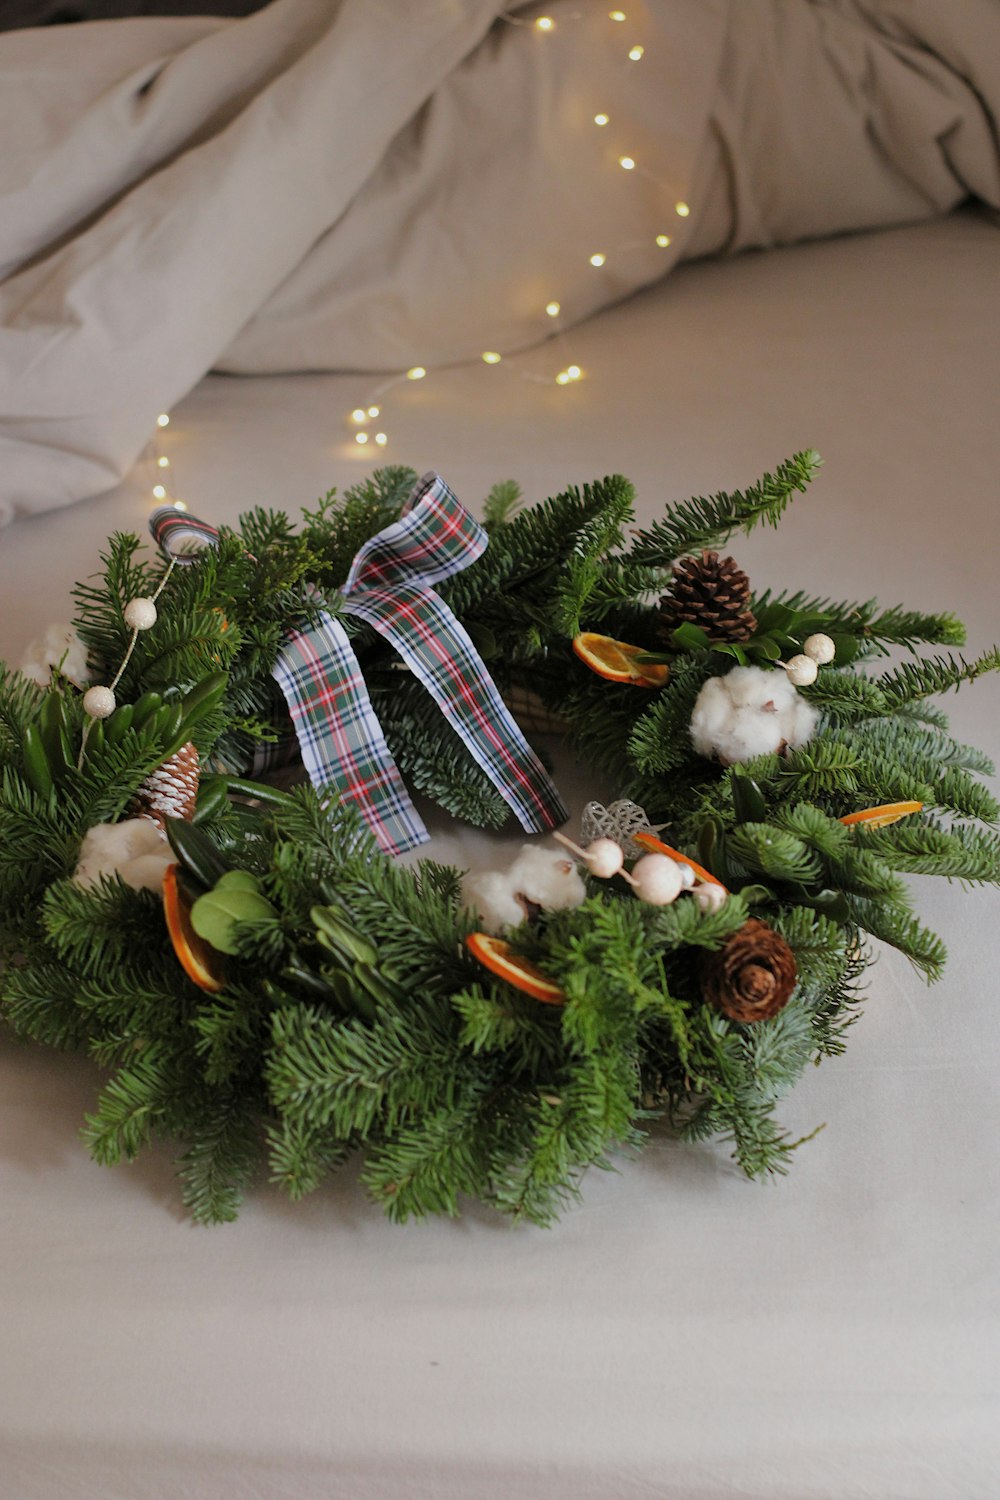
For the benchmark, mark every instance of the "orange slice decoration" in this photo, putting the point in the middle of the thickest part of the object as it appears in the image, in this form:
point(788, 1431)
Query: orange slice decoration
point(616, 660)
point(657, 846)
point(200, 962)
point(881, 817)
point(500, 958)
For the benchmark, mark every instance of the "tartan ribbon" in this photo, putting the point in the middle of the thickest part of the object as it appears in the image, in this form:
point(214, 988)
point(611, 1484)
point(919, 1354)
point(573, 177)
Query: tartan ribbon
point(389, 586)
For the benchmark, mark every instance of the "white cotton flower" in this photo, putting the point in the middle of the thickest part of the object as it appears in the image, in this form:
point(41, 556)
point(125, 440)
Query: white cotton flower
point(750, 712)
point(135, 849)
point(59, 647)
point(542, 876)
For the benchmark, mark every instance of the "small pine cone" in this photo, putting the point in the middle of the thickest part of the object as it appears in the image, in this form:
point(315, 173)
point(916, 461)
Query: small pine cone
point(752, 977)
point(711, 592)
point(171, 791)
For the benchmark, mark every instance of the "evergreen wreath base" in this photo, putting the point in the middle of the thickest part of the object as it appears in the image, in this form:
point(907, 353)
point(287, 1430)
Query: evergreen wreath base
point(352, 1016)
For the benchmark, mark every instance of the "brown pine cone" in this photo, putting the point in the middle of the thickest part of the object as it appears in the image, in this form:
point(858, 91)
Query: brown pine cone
point(711, 592)
point(752, 977)
point(171, 791)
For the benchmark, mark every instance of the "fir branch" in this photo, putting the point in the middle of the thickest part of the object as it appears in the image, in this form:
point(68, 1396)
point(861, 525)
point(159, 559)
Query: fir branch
point(914, 680)
point(501, 503)
point(700, 523)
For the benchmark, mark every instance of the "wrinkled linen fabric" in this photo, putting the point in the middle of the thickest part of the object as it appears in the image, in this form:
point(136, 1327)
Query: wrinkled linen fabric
point(369, 184)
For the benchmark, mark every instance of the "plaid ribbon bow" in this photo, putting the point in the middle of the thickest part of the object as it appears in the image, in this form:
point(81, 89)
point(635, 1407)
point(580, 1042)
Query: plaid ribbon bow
point(390, 587)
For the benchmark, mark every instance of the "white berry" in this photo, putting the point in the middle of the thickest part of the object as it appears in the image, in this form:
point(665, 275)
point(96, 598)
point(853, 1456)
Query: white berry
point(710, 896)
point(604, 858)
point(802, 670)
point(820, 648)
point(657, 879)
point(140, 614)
point(99, 702)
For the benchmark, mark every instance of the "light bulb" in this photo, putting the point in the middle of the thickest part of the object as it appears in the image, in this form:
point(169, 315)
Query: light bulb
point(616, 15)
point(545, 23)
point(381, 439)
point(681, 209)
point(417, 373)
point(553, 309)
point(361, 437)
point(359, 415)
point(635, 53)
point(163, 420)
point(179, 505)
point(491, 357)
point(601, 119)
point(373, 411)
point(626, 162)
point(663, 240)
point(574, 372)
point(162, 463)
point(598, 259)
point(562, 378)
point(159, 492)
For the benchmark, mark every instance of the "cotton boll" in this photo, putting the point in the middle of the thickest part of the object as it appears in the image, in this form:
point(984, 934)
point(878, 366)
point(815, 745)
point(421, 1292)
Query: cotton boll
point(802, 724)
point(543, 876)
point(492, 896)
point(712, 712)
point(747, 713)
point(547, 878)
point(134, 849)
point(60, 647)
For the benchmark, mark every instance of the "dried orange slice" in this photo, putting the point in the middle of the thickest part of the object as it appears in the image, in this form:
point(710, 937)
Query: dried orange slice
point(657, 846)
point(500, 958)
point(881, 817)
point(616, 660)
point(200, 962)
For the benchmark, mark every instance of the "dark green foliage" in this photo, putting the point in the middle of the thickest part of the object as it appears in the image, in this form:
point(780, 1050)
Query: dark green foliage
point(698, 523)
point(353, 1018)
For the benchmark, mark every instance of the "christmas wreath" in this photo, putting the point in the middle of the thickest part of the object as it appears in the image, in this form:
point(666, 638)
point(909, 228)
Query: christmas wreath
point(266, 984)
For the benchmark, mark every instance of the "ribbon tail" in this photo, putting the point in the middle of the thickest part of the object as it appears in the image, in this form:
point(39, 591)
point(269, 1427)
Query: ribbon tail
point(339, 734)
point(437, 649)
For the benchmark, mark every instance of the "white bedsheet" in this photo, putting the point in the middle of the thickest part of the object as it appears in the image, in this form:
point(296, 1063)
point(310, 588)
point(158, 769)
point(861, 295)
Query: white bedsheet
point(682, 1334)
point(370, 184)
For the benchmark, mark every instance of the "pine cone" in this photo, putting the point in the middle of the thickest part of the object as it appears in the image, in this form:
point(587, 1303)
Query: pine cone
point(752, 977)
point(170, 791)
point(711, 592)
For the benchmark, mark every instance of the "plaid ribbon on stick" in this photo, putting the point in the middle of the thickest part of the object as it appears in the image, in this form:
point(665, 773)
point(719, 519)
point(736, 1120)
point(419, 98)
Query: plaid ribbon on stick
point(390, 587)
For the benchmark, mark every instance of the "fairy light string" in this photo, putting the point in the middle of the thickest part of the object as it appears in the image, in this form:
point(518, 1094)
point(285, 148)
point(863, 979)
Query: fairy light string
point(368, 420)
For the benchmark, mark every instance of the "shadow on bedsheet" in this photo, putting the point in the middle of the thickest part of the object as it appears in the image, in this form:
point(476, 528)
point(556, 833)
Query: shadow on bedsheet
point(18, 14)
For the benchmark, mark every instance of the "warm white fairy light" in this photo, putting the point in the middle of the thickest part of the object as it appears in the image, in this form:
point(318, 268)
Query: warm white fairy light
point(179, 505)
point(163, 462)
point(553, 308)
point(163, 420)
point(159, 491)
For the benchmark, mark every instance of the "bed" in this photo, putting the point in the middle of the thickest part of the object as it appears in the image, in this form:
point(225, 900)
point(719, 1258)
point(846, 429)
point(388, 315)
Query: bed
point(681, 1333)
